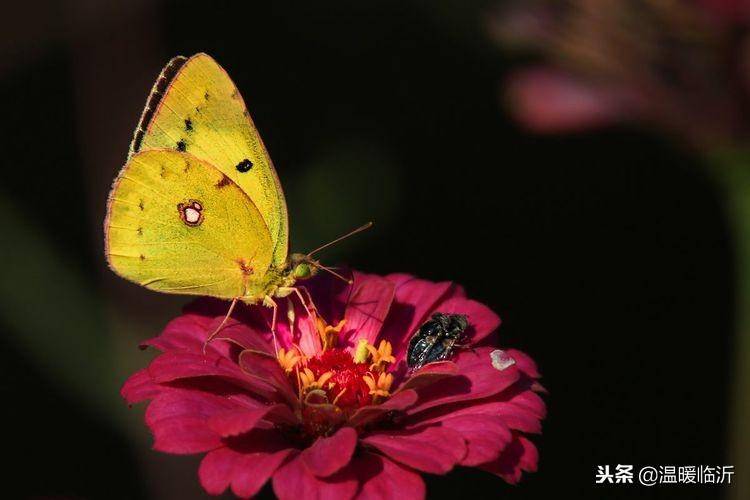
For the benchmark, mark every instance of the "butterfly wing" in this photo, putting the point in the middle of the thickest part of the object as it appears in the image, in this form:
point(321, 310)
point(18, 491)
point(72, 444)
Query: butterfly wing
point(176, 224)
point(196, 108)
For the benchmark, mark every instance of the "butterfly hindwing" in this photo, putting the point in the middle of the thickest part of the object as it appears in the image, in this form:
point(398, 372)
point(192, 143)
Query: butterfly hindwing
point(176, 224)
point(196, 108)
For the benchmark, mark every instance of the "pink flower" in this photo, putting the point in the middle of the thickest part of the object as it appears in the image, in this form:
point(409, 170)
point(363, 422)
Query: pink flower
point(336, 410)
point(681, 66)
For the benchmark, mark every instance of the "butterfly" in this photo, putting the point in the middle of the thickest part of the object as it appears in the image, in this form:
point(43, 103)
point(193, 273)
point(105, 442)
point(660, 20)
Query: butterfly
point(198, 208)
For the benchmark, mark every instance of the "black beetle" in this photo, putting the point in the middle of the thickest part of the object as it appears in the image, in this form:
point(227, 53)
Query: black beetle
point(436, 339)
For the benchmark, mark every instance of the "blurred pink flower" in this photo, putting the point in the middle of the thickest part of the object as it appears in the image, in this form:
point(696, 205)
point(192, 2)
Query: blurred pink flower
point(682, 66)
point(337, 411)
point(731, 11)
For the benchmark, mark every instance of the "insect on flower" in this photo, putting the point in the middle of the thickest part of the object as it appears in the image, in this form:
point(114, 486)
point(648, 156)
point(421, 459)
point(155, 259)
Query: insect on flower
point(436, 339)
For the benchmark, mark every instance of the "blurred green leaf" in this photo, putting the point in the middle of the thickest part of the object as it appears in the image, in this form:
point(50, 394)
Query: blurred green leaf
point(53, 314)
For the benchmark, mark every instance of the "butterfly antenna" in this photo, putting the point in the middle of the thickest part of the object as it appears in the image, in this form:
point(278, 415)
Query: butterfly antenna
point(350, 233)
point(348, 281)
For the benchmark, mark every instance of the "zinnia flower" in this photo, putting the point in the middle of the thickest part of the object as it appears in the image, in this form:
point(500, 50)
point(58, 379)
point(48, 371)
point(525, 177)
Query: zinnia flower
point(336, 411)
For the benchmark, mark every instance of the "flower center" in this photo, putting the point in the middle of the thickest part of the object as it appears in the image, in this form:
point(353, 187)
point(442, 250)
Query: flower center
point(334, 383)
point(345, 387)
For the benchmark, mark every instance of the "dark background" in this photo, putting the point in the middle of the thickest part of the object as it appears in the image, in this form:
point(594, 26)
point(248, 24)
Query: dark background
point(605, 254)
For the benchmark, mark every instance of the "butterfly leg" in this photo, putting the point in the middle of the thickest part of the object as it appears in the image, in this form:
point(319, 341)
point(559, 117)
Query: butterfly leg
point(221, 325)
point(269, 302)
point(284, 291)
point(309, 297)
point(290, 315)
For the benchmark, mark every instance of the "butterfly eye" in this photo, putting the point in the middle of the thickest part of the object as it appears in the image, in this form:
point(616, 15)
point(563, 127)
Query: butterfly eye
point(302, 271)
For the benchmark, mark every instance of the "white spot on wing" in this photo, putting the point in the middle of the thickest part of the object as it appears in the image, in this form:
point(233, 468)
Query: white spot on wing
point(192, 215)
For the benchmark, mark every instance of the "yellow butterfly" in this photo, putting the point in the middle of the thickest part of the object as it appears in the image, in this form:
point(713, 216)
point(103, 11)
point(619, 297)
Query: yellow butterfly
point(198, 208)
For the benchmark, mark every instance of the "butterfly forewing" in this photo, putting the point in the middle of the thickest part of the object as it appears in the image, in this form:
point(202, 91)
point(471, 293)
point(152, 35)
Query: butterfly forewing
point(197, 109)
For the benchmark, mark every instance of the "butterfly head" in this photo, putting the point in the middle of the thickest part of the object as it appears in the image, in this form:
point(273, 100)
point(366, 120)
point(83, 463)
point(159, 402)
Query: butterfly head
point(302, 266)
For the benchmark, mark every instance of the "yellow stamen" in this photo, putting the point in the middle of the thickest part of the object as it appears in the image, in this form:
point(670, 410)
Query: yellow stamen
point(288, 360)
point(329, 335)
point(308, 381)
point(379, 387)
point(381, 356)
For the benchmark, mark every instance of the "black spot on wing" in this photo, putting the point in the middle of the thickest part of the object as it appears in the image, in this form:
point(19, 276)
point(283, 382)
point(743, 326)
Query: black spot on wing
point(143, 257)
point(244, 166)
point(206, 96)
point(181, 145)
point(140, 205)
point(166, 77)
point(188, 125)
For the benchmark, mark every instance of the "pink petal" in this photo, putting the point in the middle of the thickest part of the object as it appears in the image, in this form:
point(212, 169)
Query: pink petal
point(414, 300)
point(328, 455)
point(215, 471)
point(252, 471)
point(400, 401)
point(430, 449)
point(239, 421)
point(519, 406)
point(547, 100)
point(309, 338)
point(190, 331)
point(429, 374)
point(367, 307)
point(530, 458)
point(254, 320)
point(241, 335)
point(477, 379)
point(330, 294)
point(263, 367)
point(524, 363)
point(184, 333)
point(246, 468)
point(519, 456)
point(176, 365)
point(482, 320)
point(178, 419)
point(519, 419)
point(294, 481)
point(486, 436)
point(383, 479)
point(531, 402)
point(139, 387)
point(513, 416)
